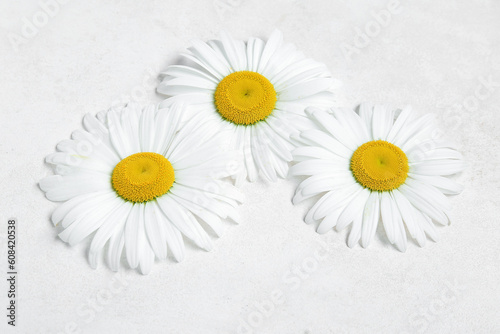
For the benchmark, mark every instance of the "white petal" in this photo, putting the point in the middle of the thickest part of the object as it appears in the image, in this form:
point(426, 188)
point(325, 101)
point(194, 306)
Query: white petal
point(276, 143)
point(115, 249)
point(189, 72)
point(352, 209)
point(371, 215)
point(185, 222)
point(407, 211)
point(195, 99)
point(130, 124)
point(351, 122)
point(118, 136)
point(427, 199)
point(329, 221)
point(312, 152)
point(132, 231)
point(447, 186)
point(404, 118)
point(366, 114)
point(147, 260)
point(208, 58)
point(291, 73)
point(154, 227)
point(382, 121)
point(339, 198)
point(321, 139)
point(413, 131)
point(62, 210)
point(167, 124)
point(260, 154)
point(113, 223)
point(202, 213)
point(305, 89)
point(285, 56)
point(316, 166)
point(429, 228)
point(94, 126)
point(387, 215)
point(356, 231)
point(235, 52)
point(273, 44)
point(400, 233)
point(250, 166)
point(198, 197)
point(174, 238)
point(66, 187)
point(258, 48)
point(339, 132)
point(438, 167)
point(146, 129)
point(319, 183)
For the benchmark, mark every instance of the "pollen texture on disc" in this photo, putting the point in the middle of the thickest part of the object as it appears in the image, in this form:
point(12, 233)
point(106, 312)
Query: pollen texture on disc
point(142, 177)
point(245, 97)
point(379, 165)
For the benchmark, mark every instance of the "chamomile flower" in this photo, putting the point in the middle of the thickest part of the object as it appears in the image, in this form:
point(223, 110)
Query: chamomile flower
point(370, 167)
point(257, 90)
point(139, 183)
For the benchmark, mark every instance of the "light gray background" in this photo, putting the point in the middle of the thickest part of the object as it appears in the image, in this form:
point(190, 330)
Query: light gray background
point(434, 55)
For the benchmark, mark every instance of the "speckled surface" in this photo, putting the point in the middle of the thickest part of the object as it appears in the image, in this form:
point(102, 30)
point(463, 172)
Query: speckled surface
point(435, 55)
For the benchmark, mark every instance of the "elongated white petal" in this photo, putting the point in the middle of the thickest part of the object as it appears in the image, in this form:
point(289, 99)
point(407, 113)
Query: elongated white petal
point(329, 221)
point(409, 216)
point(438, 167)
point(265, 147)
point(447, 186)
point(356, 231)
point(190, 72)
point(272, 45)
point(404, 118)
point(428, 200)
point(352, 209)
point(339, 198)
point(146, 129)
point(366, 114)
point(184, 222)
point(113, 223)
point(400, 241)
point(155, 229)
point(353, 124)
point(371, 215)
point(319, 183)
point(382, 121)
point(147, 260)
point(132, 231)
point(63, 209)
point(146, 230)
point(174, 238)
point(115, 249)
point(305, 89)
point(387, 215)
point(63, 188)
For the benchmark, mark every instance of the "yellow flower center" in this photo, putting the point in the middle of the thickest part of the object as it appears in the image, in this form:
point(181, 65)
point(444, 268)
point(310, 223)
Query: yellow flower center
point(379, 165)
point(245, 97)
point(142, 177)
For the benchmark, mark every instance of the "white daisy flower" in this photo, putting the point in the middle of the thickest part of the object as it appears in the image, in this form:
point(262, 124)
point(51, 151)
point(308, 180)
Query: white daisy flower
point(140, 182)
point(257, 90)
point(370, 167)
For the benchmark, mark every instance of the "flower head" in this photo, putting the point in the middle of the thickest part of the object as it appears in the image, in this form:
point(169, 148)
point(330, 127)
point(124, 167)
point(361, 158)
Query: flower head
point(372, 166)
point(139, 182)
point(255, 92)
